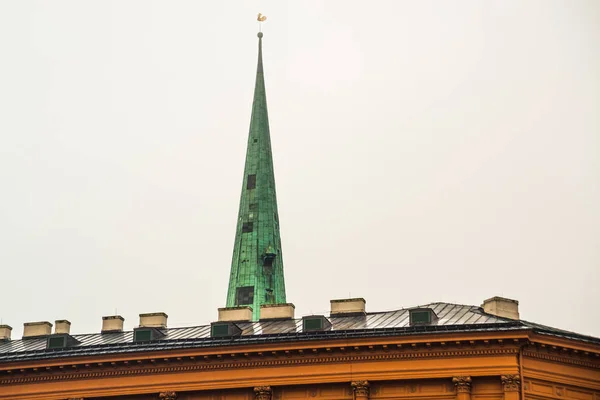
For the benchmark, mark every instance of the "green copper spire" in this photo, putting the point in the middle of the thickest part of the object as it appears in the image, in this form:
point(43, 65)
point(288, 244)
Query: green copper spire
point(257, 266)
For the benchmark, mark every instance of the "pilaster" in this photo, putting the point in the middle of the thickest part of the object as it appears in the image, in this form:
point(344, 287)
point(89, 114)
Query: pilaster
point(511, 384)
point(463, 387)
point(263, 393)
point(361, 390)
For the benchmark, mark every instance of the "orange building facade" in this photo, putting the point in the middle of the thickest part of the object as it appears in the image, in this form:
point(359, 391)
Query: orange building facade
point(507, 361)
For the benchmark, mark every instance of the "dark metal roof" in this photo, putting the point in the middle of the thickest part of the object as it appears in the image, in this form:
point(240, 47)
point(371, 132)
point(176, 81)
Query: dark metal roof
point(451, 318)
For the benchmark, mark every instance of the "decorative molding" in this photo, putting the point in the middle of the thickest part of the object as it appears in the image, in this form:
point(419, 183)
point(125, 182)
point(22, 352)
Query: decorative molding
point(360, 388)
point(561, 359)
point(263, 393)
point(169, 395)
point(197, 365)
point(511, 383)
point(462, 384)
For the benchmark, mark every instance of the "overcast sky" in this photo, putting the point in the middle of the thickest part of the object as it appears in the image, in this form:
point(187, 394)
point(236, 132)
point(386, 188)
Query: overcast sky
point(424, 151)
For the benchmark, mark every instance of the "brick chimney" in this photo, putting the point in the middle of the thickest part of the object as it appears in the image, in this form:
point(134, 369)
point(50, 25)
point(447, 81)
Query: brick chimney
point(154, 320)
point(501, 307)
point(62, 326)
point(112, 324)
point(36, 329)
point(235, 314)
point(344, 307)
point(5, 332)
point(277, 311)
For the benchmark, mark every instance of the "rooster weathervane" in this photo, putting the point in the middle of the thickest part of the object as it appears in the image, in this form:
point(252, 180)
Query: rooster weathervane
point(260, 18)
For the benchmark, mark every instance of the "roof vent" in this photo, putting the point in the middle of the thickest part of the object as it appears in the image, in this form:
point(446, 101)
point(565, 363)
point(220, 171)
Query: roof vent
point(5, 332)
point(224, 329)
point(153, 320)
point(61, 340)
point(62, 326)
point(147, 334)
point(112, 324)
point(315, 323)
point(36, 329)
point(277, 311)
point(348, 307)
point(501, 307)
point(237, 314)
point(422, 316)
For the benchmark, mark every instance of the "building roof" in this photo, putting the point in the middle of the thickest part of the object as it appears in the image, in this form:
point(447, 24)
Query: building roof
point(451, 318)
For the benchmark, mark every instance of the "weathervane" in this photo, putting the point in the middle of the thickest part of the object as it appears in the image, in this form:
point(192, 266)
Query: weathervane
point(260, 18)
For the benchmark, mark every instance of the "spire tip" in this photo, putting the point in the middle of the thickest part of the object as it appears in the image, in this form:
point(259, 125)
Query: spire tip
point(260, 35)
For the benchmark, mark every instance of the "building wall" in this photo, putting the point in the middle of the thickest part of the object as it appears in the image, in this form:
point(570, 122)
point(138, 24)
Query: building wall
point(560, 373)
point(430, 389)
point(490, 366)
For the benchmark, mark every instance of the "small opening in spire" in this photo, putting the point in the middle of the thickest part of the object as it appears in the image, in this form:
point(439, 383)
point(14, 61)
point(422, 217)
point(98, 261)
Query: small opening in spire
point(268, 260)
point(251, 183)
point(269, 297)
point(247, 227)
point(245, 295)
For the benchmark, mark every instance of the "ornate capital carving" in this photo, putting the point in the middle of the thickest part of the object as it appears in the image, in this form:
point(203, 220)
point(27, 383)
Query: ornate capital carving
point(361, 388)
point(170, 395)
point(511, 383)
point(263, 392)
point(462, 384)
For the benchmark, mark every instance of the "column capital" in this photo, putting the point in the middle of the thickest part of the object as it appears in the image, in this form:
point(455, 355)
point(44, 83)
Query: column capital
point(361, 388)
point(168, 395)
point(462, 384)
point(511, 383)
point(263, 392)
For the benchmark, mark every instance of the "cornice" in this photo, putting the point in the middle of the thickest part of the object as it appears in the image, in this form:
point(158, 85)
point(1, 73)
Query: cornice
point(194, 364)
point(571, 359)
point(570, 344)
point(417, 341)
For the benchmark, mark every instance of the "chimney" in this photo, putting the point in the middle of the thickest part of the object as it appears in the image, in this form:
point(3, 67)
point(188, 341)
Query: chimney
point(5, 331)
point(36, 329)
point(154, 320)
point(501, 307)
point(277, 311)
point(347, 307)
point(236, 314)
point(62, 326)
point(112, 324)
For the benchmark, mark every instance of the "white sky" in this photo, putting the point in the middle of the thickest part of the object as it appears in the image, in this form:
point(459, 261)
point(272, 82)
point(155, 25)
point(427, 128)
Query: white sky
point(424, 151)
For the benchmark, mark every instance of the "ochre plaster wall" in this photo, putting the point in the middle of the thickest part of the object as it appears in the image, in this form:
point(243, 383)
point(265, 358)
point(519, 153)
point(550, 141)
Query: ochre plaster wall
point(480, 367)
point(543, 390)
